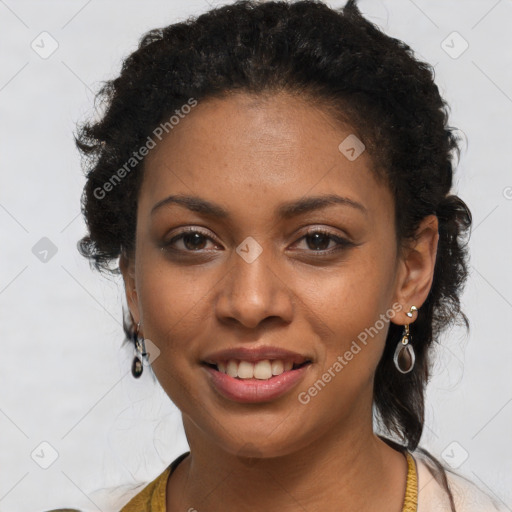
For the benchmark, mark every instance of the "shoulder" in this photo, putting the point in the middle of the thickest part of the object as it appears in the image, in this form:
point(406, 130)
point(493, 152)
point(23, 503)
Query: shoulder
point(467, 496)
point(152, 497)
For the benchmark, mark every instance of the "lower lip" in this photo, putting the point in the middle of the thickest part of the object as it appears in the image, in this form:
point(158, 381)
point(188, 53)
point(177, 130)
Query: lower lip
point(255, 390)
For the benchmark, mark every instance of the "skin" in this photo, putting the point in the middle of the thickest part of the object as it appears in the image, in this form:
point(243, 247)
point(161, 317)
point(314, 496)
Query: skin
point(249, 154)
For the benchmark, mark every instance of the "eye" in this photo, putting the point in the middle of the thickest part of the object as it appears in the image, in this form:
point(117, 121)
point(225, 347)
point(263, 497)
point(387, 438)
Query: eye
point(192, 240)
point(318, 240)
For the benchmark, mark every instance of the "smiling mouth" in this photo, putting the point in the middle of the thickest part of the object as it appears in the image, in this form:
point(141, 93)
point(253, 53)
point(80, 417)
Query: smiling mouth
point(264, 369)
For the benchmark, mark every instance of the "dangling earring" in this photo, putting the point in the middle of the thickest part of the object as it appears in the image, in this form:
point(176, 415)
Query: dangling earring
point(140, 347)
point(405, 357)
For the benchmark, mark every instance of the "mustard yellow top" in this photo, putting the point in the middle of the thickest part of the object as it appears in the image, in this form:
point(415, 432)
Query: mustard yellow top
point(152, 497)
point(411, 488)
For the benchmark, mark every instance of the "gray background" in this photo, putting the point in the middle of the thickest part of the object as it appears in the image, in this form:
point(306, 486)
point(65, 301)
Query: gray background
point(64, 379)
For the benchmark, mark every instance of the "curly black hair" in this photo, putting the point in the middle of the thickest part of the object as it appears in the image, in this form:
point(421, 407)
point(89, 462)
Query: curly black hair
point(334, 58)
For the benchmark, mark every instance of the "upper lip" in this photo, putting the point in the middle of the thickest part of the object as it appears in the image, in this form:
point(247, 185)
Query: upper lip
point(255, 354)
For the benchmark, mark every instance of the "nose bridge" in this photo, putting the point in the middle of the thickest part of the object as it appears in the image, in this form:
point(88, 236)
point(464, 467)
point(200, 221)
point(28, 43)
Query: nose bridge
point(253, 290)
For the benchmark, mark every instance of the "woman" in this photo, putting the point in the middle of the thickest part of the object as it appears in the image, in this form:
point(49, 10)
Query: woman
point(275, 180)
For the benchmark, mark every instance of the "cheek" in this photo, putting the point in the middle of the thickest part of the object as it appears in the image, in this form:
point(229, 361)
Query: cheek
point(173, 311)
point(170, 311)
point(354, 302)
point(343, 379)
point(350, 297)
point(170, 296)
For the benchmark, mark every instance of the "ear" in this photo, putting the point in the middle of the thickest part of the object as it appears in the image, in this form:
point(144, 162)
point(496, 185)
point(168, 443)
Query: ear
point(127, 267)
point(416, 268)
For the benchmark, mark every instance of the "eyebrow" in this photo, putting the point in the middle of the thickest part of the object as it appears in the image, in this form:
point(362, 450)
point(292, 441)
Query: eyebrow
point(285, 210)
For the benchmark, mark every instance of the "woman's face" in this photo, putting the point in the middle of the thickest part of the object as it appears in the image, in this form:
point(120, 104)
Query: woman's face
point(260, 275)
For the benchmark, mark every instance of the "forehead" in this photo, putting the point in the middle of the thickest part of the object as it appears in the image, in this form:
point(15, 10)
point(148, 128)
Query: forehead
point(246, 149)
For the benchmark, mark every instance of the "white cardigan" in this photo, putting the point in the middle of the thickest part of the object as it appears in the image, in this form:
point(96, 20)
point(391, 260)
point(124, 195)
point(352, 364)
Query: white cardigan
point(468, 497)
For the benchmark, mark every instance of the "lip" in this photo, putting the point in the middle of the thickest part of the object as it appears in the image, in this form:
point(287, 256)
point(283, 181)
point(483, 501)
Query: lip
point(255, 354)
point(254, 390)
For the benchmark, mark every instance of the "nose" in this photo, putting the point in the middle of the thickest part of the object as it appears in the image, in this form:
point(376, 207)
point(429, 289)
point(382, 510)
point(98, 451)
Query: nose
point(254, 292)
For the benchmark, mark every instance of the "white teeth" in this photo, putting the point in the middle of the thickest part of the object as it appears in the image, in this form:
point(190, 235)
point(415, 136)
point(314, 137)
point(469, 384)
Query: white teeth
point(245, 370)
point(232, 368)
point(262, 370)
point(277, 367)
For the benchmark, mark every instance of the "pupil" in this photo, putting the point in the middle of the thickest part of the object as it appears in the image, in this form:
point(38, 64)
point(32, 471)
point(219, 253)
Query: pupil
point(197, 240)
point(316, 237)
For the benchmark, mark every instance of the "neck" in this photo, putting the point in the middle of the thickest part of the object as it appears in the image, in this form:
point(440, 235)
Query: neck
point(351, 470)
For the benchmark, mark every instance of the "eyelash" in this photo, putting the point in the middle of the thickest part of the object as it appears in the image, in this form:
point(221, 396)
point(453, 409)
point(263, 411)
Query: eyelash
point(342, 243)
